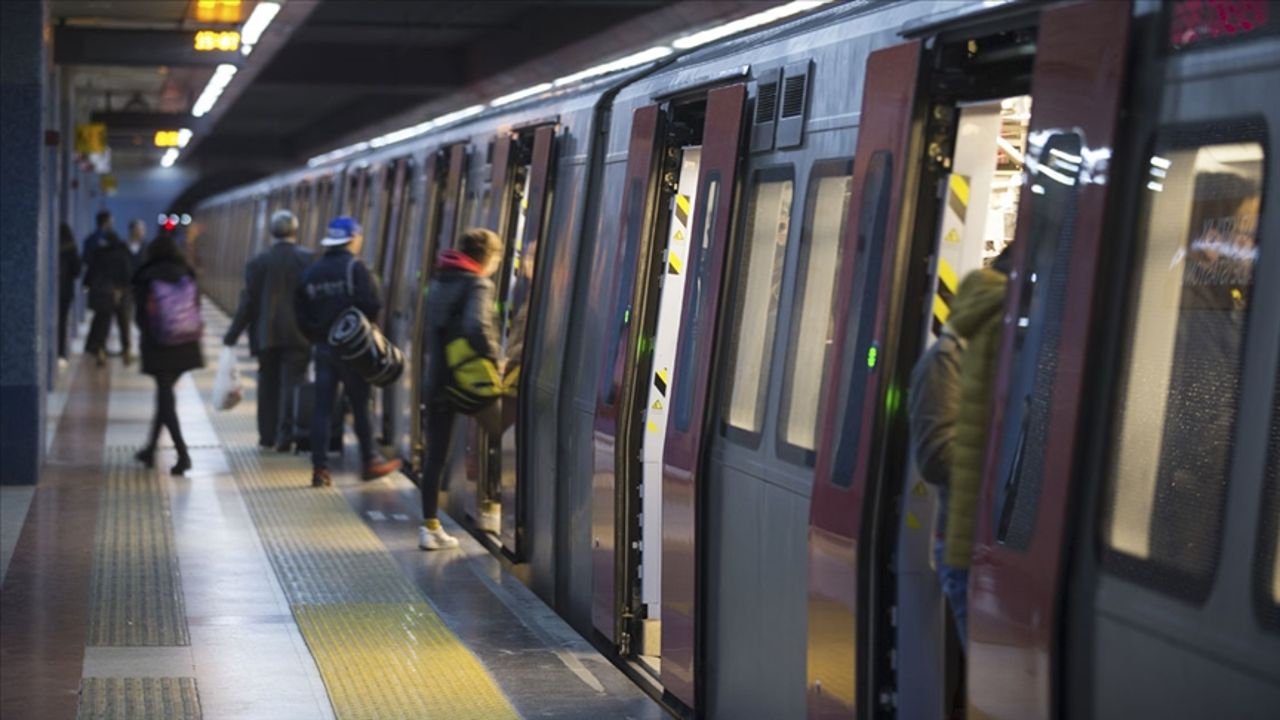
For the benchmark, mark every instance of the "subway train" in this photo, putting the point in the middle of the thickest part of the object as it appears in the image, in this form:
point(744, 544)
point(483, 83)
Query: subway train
point(721, 266)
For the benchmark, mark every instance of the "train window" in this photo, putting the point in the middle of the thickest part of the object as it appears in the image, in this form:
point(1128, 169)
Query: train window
point(1176, 408)
point(1267, 594)
point(1054, 177)
point(700, 272)
point(813, 322)
point(873, 219)
point(759, 286)
point(611, 375)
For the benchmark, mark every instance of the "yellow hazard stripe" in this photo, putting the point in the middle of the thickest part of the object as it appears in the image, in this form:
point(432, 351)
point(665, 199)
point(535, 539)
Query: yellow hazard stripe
point(960, 186)
point(940, 309)
point(947, 275)
point(677, 265)
point(682, 202)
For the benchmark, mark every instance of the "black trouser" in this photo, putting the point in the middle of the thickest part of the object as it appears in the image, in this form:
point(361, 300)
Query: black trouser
point(64, 311)
point(279, 372)
point(100, 327)
point(330, 370)
point(167, 412)
point(440, 416)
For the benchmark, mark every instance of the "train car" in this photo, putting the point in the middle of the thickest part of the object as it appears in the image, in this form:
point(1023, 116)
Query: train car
point(721, 268)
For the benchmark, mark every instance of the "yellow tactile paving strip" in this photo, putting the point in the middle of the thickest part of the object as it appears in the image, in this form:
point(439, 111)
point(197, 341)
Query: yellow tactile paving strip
point(136, 591)
point(167, 698)
point(382, 651)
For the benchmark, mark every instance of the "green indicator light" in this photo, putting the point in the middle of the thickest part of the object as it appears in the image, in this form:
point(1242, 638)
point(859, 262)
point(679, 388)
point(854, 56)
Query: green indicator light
point(626, 316)
point(872, 352)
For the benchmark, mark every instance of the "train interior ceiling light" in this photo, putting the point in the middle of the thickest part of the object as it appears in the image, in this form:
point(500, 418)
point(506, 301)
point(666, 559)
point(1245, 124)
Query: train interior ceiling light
point(653, 54)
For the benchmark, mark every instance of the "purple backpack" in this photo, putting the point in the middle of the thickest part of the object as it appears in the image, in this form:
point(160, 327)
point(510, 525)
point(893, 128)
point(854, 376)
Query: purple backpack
point(174, 311)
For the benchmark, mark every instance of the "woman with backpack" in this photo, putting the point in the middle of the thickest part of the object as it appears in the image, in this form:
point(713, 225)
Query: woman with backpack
point(167, 309)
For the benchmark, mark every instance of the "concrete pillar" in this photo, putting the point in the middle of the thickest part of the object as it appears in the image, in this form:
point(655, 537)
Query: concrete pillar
point(24, 246)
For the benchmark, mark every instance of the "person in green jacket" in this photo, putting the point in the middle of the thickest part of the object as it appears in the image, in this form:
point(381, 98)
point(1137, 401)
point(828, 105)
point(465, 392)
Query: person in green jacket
point(976, 318)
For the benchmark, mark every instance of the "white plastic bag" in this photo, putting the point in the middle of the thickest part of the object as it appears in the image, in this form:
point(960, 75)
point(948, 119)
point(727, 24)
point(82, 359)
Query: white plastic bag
point(228, 389)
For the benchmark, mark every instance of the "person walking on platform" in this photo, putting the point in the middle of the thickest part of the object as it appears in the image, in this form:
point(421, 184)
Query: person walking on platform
point(459, 306)
point(68, 271)
point(334, 283)
point(137, 242)
point(109, 269)
point(167, 303)
point(266, 309)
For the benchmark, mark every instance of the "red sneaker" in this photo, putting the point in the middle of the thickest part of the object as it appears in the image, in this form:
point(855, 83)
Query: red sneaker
point(380, 468)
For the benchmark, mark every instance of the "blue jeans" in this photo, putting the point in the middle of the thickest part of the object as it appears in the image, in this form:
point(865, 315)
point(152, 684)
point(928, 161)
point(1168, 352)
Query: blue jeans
point(330, 370)
point(954, 580)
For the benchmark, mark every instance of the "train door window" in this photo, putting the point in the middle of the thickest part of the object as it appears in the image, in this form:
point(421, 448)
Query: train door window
point(1175, 411)
point(469, 211)
point(701, 273)
point(755, 315)
point(813, 324)
point(1267, 587)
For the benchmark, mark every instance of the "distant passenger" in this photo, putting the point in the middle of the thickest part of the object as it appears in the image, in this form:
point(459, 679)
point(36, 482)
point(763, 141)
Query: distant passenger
point(336, 282)
point(267, 310)
point(137, 241)
point(168, 315)
point(68, 271)
point(975, 318)
point(109, 270)
point(459, 307)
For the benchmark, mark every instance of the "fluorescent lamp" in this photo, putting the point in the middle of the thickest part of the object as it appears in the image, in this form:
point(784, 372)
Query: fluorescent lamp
point(746, 23)
point(170, 157)
point(420, 128)
point(520, 94)
point(338, 154)
point(184, 137)
point(262, 15)
point(213, 90)
point(623, 63)
point(246, 49)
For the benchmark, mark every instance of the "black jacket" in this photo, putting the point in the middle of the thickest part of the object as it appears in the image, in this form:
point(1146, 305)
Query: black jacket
point(459, 304)
point(160, 358)
point(335, 282)
point(109, 270)
point(68, 267)
point(267, 298)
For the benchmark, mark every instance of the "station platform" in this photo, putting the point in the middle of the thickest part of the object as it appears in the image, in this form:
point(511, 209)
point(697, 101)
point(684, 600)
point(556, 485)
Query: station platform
point(240, 592)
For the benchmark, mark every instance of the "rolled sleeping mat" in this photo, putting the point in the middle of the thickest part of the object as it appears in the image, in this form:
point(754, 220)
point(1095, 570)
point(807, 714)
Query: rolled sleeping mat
point(364, 348)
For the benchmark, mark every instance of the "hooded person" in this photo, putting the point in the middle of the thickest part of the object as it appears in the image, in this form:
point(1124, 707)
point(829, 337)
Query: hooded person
point(335, 283)
point(459, 309)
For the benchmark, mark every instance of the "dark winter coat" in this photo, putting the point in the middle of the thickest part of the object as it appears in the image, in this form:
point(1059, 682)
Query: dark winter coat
point(459, 304)
point(158, 358)
point(330, 286)
point(267, 299)
point(109, 270)
point(68, 266)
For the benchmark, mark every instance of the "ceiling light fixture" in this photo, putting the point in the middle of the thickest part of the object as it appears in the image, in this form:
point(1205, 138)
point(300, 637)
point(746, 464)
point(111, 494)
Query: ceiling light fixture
point(213, 90)
point(262, 15)
point(520, 94)
point(170, 157)
point(746, 23)
point(623, 63)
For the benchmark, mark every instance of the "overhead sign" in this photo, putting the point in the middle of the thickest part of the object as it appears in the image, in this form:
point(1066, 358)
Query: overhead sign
point(219, 11)
point(217, 41)
point(167, 138)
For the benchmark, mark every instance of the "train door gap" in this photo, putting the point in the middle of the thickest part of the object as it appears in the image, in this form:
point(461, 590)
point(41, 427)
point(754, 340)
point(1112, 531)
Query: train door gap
point(498, 494)
point(975, 138)
point(681, 158)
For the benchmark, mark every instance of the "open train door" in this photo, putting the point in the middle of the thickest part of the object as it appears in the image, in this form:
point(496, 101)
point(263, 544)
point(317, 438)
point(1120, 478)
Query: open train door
point(607, 575)
point(837, 521)
point(1024, 506)
point(682, 476)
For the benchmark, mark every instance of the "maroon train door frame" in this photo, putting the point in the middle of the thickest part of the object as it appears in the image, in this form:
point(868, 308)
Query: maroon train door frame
point(501, 171)
point(836, 515)
point(452, 195)
point(636, 223)
point(682, 480)
point(1013, 593)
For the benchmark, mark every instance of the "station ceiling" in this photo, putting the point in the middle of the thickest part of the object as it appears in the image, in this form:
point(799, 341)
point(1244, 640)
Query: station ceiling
point(327, 69)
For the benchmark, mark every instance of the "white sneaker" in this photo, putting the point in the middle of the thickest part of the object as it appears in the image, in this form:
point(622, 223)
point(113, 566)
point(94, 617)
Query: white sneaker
point(490, 518)
point(435, 539)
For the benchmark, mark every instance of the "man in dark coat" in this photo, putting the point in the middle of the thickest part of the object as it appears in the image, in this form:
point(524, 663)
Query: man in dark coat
point(109, 271)
point(166, 363)
point(335, 283)
point(266, 310)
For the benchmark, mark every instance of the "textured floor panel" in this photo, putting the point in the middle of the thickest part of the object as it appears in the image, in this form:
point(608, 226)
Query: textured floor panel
point(136, 589)
point(382, 650)
point(165, 698)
